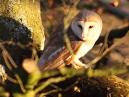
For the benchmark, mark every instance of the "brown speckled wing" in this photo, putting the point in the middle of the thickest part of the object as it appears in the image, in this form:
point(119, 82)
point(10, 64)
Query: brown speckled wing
point(60, 57)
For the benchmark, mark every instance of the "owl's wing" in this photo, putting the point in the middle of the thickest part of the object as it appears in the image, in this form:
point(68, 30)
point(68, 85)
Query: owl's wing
point(60, 57)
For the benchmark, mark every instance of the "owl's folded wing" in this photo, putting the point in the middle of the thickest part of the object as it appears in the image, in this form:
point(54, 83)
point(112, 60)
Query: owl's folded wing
point(58, 58)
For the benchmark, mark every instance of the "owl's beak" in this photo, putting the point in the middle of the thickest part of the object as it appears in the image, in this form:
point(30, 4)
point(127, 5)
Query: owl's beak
point(84, 34)
point(83, 39)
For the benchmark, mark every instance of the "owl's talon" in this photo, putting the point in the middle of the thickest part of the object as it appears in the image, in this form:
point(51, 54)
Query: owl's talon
point(78, 64)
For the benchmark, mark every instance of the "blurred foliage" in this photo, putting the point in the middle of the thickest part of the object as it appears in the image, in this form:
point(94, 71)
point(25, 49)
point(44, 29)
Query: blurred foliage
point(38, 81)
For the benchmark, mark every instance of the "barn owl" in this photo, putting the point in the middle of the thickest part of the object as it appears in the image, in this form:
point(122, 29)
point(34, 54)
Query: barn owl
point(83, 32)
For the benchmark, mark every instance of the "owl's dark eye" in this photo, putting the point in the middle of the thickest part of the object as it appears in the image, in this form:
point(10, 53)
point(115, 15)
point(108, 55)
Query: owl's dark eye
point(80, 27)
point(91, 27)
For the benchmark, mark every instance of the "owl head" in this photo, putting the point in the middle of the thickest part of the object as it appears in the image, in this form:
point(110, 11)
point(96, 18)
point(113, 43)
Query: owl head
point(87, 26)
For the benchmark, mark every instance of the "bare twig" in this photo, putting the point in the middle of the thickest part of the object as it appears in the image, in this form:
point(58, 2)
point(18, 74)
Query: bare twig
point(117, 43)
point(50, 81)
point(20, 83)
point(69, 17)
point(105, 44)
point(65, 72)
point(49, 92)
point(72, 85)
point(8, 60)
point(12, 80)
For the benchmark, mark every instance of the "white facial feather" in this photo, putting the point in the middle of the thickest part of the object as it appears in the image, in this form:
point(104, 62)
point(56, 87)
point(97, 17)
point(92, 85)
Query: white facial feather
point(87, 26)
